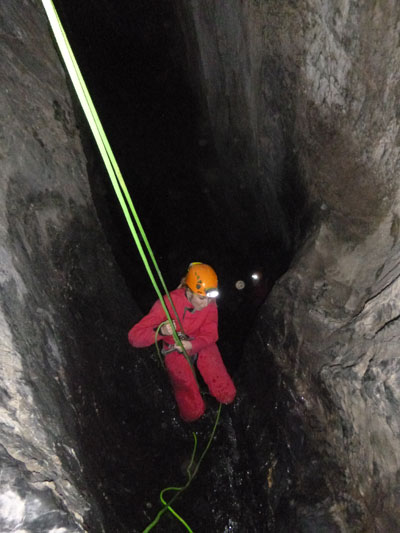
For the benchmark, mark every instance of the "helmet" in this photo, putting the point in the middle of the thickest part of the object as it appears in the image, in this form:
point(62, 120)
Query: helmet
point(202, 279)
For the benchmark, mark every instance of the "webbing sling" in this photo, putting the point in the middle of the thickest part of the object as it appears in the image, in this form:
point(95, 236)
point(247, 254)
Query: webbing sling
point(109, 161)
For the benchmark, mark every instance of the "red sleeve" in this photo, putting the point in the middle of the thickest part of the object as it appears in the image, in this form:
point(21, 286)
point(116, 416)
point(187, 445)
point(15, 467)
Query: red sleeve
point(208, 332)
point(143, 333)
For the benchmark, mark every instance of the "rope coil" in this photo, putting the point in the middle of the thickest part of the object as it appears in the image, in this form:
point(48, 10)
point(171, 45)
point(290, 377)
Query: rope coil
point(191, 475)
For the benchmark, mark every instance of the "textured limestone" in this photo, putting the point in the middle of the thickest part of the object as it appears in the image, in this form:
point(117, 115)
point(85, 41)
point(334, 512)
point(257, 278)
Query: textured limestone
point(316, 84)
point(56, 275)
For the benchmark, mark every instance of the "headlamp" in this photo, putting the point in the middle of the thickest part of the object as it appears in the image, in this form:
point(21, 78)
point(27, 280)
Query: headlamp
point(212, 293)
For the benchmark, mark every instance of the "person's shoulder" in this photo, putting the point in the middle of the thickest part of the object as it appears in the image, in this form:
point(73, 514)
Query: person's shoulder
point(178, 294)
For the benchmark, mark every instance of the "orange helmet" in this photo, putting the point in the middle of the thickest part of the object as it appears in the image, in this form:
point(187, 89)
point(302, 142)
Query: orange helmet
point(202, 279)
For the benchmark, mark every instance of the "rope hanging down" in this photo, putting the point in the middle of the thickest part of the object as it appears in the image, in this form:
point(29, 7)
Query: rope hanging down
point(128, 210)
point(110, 161)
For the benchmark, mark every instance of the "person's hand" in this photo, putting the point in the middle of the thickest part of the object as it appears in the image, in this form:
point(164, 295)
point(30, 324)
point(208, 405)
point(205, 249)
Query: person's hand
point(186, 344)
point(166, 329)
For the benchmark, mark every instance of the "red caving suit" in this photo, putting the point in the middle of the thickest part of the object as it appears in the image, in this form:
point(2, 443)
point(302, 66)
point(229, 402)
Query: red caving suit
point(202, 329)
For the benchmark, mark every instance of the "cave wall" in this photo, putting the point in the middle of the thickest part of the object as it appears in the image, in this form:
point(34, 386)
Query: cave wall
point(62, 298)
point(315, 85)
point(300, 99)
point(235, 73)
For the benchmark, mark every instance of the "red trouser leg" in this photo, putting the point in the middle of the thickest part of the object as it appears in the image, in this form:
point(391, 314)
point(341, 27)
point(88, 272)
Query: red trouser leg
point(212, 368)
point(186, 390)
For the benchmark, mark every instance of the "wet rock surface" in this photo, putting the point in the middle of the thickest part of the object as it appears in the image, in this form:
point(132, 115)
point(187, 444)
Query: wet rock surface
point(59, 312)
point(320, 80)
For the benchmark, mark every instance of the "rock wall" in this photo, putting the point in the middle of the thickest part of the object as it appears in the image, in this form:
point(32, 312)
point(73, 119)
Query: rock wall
point(59, 311)
point(314, 86)
point(300, 99)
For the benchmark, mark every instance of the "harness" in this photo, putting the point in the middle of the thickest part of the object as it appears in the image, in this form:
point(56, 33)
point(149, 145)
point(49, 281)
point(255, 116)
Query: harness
point(171, 348)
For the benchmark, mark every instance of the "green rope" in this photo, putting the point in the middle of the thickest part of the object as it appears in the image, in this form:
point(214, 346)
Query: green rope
point(110, 163)
point(156, 343)
point(108, 157)
point(191, 475)
point(128, 208)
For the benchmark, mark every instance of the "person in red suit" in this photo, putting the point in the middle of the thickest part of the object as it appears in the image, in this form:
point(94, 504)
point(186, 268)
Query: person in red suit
point(195, 304)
